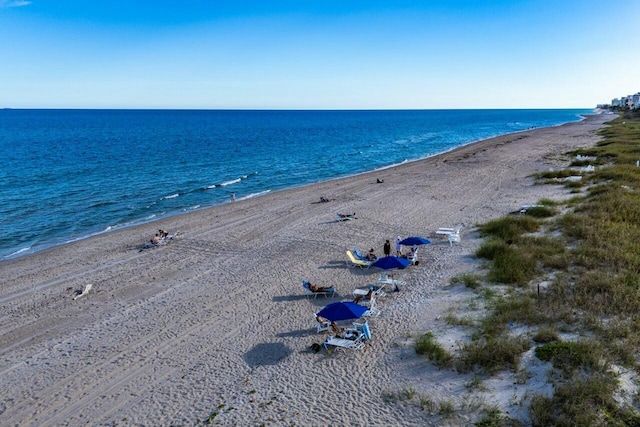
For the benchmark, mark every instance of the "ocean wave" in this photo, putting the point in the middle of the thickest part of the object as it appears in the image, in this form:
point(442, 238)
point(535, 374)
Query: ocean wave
point(18, 252)
point(233, 181)
point(172, 196)
point(230, 182)
point(252, 195)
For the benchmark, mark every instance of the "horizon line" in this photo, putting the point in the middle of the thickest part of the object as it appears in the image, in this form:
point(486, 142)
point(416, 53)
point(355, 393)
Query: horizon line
point(289, 109)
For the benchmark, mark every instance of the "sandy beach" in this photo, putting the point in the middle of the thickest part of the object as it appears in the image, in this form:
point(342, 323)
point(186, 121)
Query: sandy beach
point(215, 326)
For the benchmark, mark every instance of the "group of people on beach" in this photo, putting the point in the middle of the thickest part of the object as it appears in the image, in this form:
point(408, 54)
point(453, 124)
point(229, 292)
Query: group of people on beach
point(159, 237)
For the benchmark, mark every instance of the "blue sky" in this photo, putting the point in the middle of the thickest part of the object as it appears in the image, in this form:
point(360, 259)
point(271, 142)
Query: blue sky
point(317, 54)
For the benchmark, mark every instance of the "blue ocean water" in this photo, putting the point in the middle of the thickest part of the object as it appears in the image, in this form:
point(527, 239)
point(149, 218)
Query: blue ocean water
point(70, 174)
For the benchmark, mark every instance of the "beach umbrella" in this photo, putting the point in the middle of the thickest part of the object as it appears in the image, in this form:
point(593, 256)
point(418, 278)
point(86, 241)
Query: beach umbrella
point(415, 241)
point(391, 262)
point(343, 310)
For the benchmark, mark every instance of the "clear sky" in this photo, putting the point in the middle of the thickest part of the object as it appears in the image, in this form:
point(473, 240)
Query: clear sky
point(317, 54)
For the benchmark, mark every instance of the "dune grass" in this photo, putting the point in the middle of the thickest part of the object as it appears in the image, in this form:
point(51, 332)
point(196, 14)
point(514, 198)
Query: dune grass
point(594, 260)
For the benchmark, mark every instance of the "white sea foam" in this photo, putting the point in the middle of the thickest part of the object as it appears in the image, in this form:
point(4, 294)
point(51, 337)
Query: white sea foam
point(233, 181)
point(252, 195)
point(173, 196)
point(18, 252)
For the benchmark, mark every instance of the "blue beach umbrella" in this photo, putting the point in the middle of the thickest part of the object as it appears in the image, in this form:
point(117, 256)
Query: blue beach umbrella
point(343, 310)
point(391, 262)
point(415, 241)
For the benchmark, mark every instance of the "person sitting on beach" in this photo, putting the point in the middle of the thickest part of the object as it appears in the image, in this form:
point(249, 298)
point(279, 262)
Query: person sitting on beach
point(156, 239)
point(371, 255)
point(316, 288)
point(336, 329)
point(368, 296)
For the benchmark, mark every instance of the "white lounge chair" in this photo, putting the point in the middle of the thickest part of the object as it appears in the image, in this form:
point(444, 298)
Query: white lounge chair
point(322, 325)
point(352, 261)
point(353, 338)
point(453, 238)
point(452, 234)
point(373, 310)
point(86, 290)
point(342, 343)
point(384, 279)
point(329, 292)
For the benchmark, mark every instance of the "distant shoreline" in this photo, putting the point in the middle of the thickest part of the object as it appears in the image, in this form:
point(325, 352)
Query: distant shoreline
point(110, 229)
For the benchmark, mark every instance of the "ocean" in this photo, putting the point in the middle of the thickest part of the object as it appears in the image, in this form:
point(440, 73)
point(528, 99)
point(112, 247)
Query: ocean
point(71, 174)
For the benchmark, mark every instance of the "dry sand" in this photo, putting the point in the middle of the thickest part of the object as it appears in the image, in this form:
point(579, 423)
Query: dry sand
point(215, 326)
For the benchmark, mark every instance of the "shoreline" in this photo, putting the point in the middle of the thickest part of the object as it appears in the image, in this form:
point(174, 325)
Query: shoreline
point(216, 324)
point(137, 223)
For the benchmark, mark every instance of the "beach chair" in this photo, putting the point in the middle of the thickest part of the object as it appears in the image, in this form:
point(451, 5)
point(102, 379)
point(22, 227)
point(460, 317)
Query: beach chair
point(373, 310)
point(384, 279)
point(413, 256)
point(352, 261)
point(453, 238)
point(329, 292)
point(322, 326)
point(353, 338)
point(362, 329)
point(86, 290)
point(334, 342)
point(451, 234)
point(359, 255)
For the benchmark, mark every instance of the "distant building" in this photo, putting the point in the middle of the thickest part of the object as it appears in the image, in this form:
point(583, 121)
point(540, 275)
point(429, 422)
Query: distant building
point(629, 101)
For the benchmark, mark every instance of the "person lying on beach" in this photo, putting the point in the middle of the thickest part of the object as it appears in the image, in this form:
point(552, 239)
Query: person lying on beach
point(368, 296)
point(325, 200)
point(316, 288)
point(353, 215)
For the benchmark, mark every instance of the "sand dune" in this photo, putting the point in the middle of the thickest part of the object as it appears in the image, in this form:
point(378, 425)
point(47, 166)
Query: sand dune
point(214, 326)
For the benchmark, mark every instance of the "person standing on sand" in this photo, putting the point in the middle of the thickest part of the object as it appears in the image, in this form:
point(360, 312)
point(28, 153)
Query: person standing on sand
point(398, 246)
point(233, 197)
point(387, 248)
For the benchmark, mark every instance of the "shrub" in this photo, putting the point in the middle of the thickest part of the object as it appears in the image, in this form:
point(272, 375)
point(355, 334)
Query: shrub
point(546, 335)
point(493, 354)
point(541, 212)
point(513, 265)
point(571, 356)
point(471, 281)
point(490, 248)
point(427, 345)
point(509, 228)
point(579, 402)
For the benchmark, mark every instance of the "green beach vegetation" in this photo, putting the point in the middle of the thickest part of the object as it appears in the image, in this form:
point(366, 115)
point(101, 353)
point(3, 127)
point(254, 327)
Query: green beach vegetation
point(566, 276)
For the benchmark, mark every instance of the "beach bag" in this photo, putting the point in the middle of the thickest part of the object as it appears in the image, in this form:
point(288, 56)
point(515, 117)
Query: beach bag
point(315, 347)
